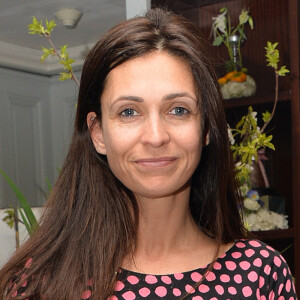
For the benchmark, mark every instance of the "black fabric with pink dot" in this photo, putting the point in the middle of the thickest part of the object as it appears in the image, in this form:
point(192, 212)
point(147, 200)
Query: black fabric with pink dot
point(249, 270)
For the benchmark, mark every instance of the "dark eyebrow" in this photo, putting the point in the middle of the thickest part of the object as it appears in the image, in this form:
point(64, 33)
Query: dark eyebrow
point(178, 95)
point(132, 98)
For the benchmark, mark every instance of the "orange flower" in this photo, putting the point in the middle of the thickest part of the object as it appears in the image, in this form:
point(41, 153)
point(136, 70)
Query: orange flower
point(222, 80)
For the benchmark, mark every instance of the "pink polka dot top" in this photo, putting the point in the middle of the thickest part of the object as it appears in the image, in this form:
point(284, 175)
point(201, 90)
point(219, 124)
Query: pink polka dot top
point(249, 270)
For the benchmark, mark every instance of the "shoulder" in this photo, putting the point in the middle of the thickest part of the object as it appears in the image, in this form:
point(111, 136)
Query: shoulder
point(256, 253)
point(262, 265)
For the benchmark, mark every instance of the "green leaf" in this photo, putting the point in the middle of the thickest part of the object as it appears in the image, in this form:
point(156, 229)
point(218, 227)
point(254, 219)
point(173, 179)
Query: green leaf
point(266, 116)
point(65, 76)
point(217, 41)
point(25, 222)
point(23, 201)
point(50, 26)
point(250, 20)
point(282, 71)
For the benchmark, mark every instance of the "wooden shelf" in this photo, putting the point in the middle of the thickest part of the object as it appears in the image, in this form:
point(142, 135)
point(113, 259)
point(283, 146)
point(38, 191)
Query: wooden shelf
point(257, 99)
point(275, 234)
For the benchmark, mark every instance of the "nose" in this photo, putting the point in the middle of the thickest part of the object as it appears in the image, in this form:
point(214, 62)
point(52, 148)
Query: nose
point(155, 132)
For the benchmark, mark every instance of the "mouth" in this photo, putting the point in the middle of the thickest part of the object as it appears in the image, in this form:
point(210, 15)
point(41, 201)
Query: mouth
point(155, 162)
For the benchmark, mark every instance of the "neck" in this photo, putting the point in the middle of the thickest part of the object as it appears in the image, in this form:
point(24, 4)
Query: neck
point(165, 223)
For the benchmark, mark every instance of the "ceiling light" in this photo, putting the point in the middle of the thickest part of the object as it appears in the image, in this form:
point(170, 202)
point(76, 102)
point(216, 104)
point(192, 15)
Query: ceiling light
point(68, 16)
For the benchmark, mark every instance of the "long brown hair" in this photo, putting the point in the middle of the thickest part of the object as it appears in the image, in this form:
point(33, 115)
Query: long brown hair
point(90, 219)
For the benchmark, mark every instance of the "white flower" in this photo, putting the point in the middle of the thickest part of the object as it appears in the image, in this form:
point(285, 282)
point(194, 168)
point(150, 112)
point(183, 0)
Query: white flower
point(265, 220)
point(244, 189)
point(251, 204)
point(230, 136)
point(232, 89)
point(220, 22)
point(244, 16)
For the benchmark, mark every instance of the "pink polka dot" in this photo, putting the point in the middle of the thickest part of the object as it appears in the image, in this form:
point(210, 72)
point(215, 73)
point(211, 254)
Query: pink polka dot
point(257, 262)
point(263, 297)
point(90, 282)
point(161, 291)
point(225, 278)
point(189, 289)
point(24, 277)
point(245, 265)
point(270, 248)
point(267, 269)
point(230, 265)
point(240, 245)
point(197, 298)
point(112, 298)
point(86, 294)
point(232, 290)
point(281, 298)
point(213, 298)
point(236, 254)
point(249, 252)
point(219, 289)
point(178, 276)
point(151, 279)
point(196, 276)
point(166, 279)
point(210, 276)
point(238, 278)
point(255, 244)
point(144, 292)
point(271, 295)
point(217, 266)
point(264, 253)
point(257, 293)
point(275, 276)
point(176, 292)
point(284, 272)
point(203, 288)
point(28, 263)
point(261, 282)
point(132, 279)
point(247, 291)
point(277, 261)
point(288, 286)
point(129, 295)
point(119, 285)
point(280, 288)
point(252, 276)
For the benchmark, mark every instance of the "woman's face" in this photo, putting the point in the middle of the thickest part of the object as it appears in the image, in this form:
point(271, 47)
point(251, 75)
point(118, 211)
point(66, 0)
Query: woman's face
point(151, 126)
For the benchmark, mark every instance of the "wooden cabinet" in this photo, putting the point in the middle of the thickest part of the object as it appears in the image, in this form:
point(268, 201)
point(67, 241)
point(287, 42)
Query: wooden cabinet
point(275, 21)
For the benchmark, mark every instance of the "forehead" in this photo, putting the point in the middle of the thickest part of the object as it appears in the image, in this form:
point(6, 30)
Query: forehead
point(157, 71)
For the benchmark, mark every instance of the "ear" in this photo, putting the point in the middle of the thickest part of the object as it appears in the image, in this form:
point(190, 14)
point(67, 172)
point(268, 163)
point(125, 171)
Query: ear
point(206, 138)
point(96, 133)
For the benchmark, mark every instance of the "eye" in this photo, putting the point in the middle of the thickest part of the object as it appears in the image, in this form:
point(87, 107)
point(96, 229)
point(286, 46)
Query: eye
point(179, 111)
point(128, 112)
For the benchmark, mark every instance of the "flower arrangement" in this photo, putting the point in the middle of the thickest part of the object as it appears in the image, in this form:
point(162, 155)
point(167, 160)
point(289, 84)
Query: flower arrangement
point(235, 83)
point(247, 140)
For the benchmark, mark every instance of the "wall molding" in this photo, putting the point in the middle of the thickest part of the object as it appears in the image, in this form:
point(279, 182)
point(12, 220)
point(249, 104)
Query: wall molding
point(28, 60)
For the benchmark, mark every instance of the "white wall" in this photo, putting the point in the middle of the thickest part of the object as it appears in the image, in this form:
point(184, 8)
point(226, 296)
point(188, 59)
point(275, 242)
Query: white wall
point(7, 236)
point(36, 120)
point(36, 123)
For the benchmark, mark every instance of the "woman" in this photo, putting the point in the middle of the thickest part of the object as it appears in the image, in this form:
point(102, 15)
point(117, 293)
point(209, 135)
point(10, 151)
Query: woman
point(146, 205)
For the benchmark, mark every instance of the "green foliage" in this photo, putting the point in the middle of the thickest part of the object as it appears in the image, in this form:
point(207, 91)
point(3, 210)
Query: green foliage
point(247, 137)
point(249, 140)
point(9, 218)
point(272, 57)
point(223, 30)
point(36, 27)
point(25, 211)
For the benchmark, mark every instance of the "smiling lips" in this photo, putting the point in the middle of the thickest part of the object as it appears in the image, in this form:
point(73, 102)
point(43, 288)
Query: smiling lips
point(155, 162)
